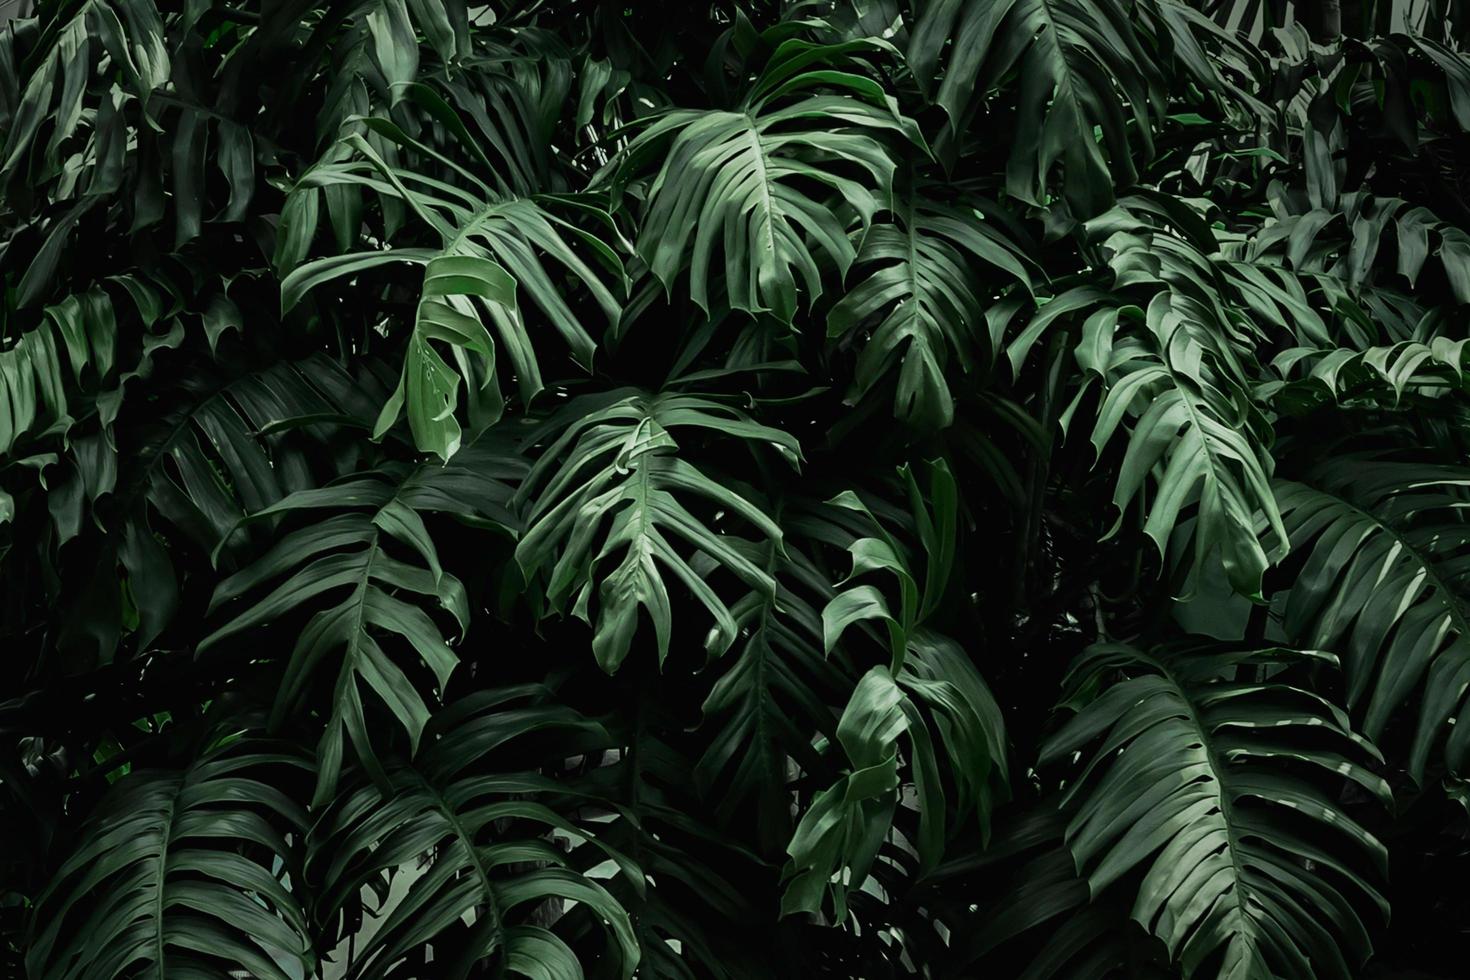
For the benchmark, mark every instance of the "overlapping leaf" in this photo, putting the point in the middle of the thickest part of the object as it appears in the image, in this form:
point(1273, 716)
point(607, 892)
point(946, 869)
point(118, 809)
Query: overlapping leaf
point(1205, 775)
point(1384, 583)
point(487, 269)
point(1198, 435)
point(1088, 93)
point(489, 841)
point(920, 297)
point(373, 598)
point(736, 188)
point(179, 486)
point(763, 707)
point(1042, 922)
point(63, 66)
point(929, 686)
point(71, 358)
point(182, 874)
point(937, 696)
point(614, 483)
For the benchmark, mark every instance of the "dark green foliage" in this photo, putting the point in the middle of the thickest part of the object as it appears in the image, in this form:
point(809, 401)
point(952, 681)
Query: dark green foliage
point(855, 488)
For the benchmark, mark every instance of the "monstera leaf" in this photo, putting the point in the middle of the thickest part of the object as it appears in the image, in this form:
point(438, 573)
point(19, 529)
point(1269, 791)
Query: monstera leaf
point(920, 297)
point(1383, 583)
point(930, 686)
point(1206, 773)
point(1191, 425)
point(776, 687)
point(934, 512)
point(373, 565)
point(615, 462)
point(182, 874)
point(1082, 71)
point(487, 271)
point(488, 839)
point(739, 185)
point(841, 833)
point(1178, 367)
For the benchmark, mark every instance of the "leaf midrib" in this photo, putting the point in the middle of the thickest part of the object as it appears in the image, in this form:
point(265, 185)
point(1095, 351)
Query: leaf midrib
point(1065, 81)
point(752, 133)
point(165, 836)
point(450, 817)
point(1218, 767)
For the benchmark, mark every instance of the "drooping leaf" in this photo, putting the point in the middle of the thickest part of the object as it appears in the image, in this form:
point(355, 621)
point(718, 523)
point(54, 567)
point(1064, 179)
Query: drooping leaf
point(936, 699)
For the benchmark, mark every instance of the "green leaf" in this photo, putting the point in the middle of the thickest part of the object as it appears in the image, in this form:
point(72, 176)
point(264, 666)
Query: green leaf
point(615, 462)
point(365, 574)
point(429, 385)
point(488, 267)
point(920, 299)
point(774, 690)
point(487, 833)
point(738, 186)
point(167, 879)
point(1197, 435)
point(1382, 584)
point(839, 837)
point(1081, 67)
point(1218, 788)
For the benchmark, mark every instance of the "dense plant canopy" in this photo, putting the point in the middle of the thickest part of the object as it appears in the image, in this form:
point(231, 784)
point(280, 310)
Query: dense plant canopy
point(856, 488)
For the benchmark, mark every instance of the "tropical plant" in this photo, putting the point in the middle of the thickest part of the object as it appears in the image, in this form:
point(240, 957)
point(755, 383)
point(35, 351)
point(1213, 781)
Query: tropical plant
point(843, 488)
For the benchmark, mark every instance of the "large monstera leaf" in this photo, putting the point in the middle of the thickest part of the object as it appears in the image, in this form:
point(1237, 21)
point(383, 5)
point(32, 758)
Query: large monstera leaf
point(1218, 780)
point(921, 294)
point(614, 482)
point(1177, 362)
point(1083, 70)
point(738, 186)
point(1384, 583)
point(374, 567)
point(182, 874)
point(1188, 419)
point(483, 846)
